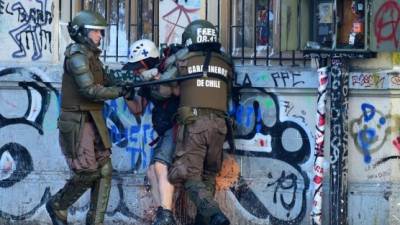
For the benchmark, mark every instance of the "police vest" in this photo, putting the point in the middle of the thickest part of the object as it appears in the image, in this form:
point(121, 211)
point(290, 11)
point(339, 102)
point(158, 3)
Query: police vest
point(210, 91)
point(71, 99)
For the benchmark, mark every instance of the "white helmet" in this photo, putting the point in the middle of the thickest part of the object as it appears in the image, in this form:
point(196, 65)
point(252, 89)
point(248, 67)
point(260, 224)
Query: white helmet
point(141, 50)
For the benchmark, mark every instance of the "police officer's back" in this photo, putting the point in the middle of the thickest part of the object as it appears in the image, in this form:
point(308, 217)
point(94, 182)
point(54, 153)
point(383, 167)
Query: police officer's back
point(202, 114)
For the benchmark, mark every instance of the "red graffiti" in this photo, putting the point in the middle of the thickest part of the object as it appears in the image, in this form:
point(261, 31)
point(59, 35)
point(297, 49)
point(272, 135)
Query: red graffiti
point(324, 80)
point(262, 143)
point(396, 143)
point(178, 9)
point(318, 179)
point(387, 21)
point(321, 121)
point(368, 80)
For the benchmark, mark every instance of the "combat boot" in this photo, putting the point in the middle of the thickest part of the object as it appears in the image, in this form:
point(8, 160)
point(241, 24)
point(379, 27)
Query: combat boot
point(74, 188)
point(219, 219)
point(58, 217)
point(164, 217)
point(99, 195)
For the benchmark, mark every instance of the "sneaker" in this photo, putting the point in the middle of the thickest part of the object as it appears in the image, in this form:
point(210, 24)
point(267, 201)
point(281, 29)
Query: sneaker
point(164, 217)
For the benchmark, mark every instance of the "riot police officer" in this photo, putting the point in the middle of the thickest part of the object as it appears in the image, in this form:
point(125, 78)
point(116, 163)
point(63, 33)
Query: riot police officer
point(83, 134)
point(201, 117)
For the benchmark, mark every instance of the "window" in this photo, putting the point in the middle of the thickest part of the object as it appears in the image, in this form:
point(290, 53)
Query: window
point(257, 32)
point(262, 31)
point(128, 21)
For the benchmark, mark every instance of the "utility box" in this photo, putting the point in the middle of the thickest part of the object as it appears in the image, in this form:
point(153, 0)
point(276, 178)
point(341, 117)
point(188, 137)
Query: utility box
point(340, 24)
point(352, 26)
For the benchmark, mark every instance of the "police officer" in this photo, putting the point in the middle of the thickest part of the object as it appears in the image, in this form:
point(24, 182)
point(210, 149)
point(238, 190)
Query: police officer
point(201, 117)
point(84, 138)
point(144, 60)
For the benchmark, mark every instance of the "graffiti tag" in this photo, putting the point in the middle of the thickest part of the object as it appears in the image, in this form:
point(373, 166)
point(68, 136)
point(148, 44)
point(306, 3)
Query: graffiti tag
point(32, 29)
point(368, 80)
point(286, 79)
point(266, 138)
point(370, 130)
point(386, 23)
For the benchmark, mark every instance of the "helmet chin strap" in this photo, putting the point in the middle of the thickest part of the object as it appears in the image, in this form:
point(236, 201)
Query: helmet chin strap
point(83, 38)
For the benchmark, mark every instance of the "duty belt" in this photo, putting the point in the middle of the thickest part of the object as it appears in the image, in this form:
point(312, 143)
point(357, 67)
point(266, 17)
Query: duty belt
point(208, 111)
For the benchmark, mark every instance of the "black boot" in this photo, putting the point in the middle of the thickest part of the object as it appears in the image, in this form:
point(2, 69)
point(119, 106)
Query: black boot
point(164, 217)
point(219, 219)
point(55, 219)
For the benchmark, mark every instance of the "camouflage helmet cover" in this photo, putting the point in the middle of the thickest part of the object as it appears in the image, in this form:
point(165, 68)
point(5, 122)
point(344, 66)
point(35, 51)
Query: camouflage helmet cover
point(199, 32)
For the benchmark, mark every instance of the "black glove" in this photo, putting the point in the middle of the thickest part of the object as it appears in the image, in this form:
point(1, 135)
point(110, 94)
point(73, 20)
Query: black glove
point(128, 93)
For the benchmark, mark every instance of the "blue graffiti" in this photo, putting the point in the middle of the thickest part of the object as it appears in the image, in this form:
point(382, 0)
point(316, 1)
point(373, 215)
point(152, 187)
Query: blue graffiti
point(368, 111)
point(371, 124)
point(365, 137)
point(133, 133)
point(33, 22)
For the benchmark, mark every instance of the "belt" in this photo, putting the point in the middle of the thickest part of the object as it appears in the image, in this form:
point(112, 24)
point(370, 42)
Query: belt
point(208, 111)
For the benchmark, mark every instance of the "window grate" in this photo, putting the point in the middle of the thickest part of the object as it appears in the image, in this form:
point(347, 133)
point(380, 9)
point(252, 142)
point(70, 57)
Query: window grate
point(249, 39)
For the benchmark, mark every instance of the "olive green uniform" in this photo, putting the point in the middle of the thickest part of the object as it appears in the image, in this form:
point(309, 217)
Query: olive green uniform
point(84, 138)
point(202, 129)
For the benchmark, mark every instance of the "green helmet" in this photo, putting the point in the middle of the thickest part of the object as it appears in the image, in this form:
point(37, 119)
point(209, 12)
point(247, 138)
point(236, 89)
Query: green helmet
point(199, 32)
point(83, 22)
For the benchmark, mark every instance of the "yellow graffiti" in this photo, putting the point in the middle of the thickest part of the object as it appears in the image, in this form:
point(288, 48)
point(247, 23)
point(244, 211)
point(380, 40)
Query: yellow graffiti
point(396, 58)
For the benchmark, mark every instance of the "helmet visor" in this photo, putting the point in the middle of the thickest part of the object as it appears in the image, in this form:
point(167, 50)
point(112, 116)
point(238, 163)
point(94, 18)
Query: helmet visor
point(94, 27)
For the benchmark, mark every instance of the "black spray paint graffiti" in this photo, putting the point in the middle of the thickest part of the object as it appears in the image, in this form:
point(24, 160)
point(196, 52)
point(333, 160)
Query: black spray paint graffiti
point(286, 79)
point(15, 164)
point(12, 217)
point(1, 7)
point(263, 136)
point(281, 79)
point(15, 160)
point(339, 142)
point(38, 93)
point(32, 28)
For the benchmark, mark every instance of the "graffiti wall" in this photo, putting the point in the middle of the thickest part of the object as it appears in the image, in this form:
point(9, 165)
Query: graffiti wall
point(275, 110)
point(373, 156)
point(27, 30)
point(174, 16)
point(275, 145)
point(32, 168)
